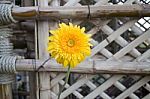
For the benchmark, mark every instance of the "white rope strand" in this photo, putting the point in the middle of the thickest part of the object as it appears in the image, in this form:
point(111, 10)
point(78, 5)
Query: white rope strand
point(7, 62)
point(5, 14)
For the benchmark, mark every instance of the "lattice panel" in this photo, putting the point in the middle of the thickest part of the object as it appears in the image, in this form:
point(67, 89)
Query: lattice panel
point(145, 1)
point(115, 39)
point(102, 87)
point(94, 2)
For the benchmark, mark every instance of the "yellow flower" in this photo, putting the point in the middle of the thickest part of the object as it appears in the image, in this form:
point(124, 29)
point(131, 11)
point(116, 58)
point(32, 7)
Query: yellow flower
point(69, 44)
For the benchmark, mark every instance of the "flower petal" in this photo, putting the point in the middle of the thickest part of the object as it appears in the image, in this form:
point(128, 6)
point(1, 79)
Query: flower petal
point(60, 40)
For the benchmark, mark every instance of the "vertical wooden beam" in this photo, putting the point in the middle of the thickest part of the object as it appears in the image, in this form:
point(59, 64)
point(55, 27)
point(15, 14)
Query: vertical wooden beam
point(53, 25)
point(5, 91)
point(43, 33)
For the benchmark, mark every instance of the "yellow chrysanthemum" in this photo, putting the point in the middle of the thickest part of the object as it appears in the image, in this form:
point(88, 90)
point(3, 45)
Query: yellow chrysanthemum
point(69, 44)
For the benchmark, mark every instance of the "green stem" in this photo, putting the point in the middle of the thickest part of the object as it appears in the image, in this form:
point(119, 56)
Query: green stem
point(66, 80)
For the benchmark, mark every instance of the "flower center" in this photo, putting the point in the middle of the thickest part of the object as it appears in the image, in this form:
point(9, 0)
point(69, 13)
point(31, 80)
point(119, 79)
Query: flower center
point(71, 43)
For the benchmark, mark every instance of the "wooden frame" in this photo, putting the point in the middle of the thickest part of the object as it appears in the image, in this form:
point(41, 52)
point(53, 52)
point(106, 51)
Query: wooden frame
point(47, 77)
point(93, 66)
point(134, 10)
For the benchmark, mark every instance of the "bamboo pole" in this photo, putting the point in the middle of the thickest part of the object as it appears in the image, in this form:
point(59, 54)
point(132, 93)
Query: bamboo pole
point(54, 25)
point(134, 10)
point(93, 66)
point(42, 39)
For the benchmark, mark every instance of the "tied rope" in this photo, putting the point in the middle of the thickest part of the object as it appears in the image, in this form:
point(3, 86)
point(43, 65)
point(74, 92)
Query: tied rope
point(6, 47)
point(8, 64)
point(7, 61)
point(5, 14)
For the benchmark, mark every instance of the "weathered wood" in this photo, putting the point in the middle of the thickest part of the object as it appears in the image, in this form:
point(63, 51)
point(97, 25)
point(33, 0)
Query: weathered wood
point(120, 40)
point(103, 87)
point(74, 92)
point(54, 25)
point(112, 37)
point(146, 97)
point(76, 85)
point(132, 45)
point(134, 10)
point(95, 66)
point(5, 91)
point(101, 2)
point(133, 88)
point(42, 32)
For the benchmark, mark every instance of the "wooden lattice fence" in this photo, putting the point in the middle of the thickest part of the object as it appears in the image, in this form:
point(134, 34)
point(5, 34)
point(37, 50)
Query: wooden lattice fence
point(118, 41)
point(114, 39)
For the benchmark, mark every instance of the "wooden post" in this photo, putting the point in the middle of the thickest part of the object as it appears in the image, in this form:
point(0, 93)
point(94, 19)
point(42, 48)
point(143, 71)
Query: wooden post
point(5, 91)
point(43, 33)
point(53, 25)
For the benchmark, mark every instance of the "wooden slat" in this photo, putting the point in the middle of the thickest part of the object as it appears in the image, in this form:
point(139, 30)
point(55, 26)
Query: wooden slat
point(106, 53)
point(54, 25)
point(112, 37)
point(71, 2)
point(123, 88)
point(55, 3)
point(133, 88)
point(55, 80)
point(33, 76)
point(93, 87)
point(52, 95)
point(147, 87)
point(144, 56)
point(147, 96)
point(93, 31)
point(76, 85)
point(129, 1)
point(112, 67)
point(43, 33)
point(101, 2)
point(76, 93)
point(105, 96)
point(80, 12)
point(132, 45)
point(54, 88)
point(103, 87)
point(98, 25)
point(121, 41)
